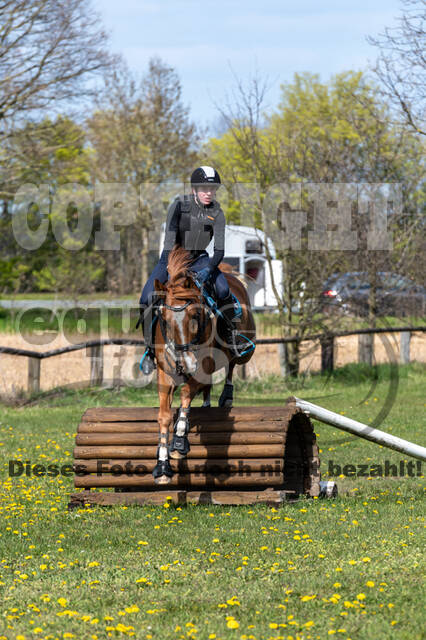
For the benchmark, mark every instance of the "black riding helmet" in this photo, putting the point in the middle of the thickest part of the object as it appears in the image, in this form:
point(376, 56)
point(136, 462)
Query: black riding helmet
point(205, 175)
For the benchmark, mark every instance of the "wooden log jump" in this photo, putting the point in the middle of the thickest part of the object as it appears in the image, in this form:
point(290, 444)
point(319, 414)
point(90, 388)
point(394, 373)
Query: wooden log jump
point(241, 455)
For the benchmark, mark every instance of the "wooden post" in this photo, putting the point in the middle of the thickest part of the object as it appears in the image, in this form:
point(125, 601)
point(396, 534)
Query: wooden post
point(327, 353)
point(404, 347)
point(96, 355)
point(33, 375)
point(282, 359)
point(366, 348)
point(287, 367)
point(116, 370)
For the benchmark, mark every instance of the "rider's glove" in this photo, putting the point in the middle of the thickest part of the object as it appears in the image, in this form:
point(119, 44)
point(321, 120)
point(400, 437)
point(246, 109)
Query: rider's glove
point(204, 275)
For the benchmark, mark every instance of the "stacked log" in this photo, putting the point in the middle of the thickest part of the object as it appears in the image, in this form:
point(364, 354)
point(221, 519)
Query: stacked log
point(238, 456)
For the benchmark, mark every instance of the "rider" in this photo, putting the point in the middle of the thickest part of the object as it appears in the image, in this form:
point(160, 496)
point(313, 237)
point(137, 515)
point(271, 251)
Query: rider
point(192, 221)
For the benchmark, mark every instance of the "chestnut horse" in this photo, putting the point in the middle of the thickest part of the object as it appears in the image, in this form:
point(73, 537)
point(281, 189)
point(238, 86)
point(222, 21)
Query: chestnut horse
point(189, 349)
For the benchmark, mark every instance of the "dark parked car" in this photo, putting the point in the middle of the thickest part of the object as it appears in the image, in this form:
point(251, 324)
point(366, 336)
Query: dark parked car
point(396, 294)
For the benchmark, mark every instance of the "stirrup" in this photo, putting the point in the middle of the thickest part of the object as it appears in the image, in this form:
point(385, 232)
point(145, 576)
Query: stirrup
point(147, 363)
point(238, 344)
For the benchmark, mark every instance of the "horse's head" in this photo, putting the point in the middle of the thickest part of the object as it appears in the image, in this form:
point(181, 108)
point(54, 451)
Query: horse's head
point(184, 319)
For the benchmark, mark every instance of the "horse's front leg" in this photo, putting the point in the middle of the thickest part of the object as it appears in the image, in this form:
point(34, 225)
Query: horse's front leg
point(180, 443)
point(162, 471)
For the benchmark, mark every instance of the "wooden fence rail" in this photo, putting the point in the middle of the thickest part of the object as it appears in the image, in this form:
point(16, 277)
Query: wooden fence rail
point(326, 340)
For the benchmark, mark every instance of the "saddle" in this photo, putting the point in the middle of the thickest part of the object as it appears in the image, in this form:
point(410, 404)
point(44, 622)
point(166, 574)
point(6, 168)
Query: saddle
point(241, 344)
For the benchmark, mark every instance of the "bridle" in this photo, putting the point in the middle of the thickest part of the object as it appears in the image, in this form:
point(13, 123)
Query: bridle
point(173, 349)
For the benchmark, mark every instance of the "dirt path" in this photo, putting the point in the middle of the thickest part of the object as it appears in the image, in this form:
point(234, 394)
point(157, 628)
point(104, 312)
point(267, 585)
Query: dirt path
point(123, 362)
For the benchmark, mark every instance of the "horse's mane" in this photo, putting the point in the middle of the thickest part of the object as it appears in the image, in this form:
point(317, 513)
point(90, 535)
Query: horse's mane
point(177, 266)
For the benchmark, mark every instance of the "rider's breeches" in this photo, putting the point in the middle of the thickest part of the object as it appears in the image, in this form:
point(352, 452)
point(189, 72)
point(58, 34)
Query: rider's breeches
point(160, 273)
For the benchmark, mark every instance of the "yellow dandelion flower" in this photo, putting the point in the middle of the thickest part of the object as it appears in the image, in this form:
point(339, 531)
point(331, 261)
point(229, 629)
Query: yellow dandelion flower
point(369, 583)
point(132, 609)
point(232, 624)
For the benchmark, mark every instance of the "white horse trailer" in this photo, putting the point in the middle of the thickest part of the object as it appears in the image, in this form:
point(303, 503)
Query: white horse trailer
point(245, 251)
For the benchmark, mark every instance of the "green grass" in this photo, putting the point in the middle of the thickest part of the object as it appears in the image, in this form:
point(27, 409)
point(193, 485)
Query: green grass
point(268, 324)
point(99, 295)
point(117, 322)
point(346, 568)
point(86, 323)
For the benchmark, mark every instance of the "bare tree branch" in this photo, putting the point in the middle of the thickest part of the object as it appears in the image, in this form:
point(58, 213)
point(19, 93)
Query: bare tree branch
point(401, 64)
point(50, 52)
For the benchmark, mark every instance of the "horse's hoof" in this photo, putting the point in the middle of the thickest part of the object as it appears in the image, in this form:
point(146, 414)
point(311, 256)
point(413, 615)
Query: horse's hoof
point(227, 404)
point(179, 448)
point(176, 455)
point(162, 480)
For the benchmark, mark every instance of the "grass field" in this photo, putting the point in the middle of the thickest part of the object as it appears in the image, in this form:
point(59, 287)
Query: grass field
point(352, 567)
point(118, 322)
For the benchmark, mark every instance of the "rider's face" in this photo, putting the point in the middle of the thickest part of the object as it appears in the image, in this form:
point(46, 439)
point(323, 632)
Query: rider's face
point(206, 193)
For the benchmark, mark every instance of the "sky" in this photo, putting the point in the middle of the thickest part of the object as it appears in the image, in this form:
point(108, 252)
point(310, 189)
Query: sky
point(211, 43)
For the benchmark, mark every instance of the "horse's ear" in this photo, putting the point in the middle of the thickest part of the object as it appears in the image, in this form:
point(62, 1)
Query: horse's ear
point(159, 286)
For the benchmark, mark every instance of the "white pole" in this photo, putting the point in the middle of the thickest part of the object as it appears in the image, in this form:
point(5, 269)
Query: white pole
point(361, 430)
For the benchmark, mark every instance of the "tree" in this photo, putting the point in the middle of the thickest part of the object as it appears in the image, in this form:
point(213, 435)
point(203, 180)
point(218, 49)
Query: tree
point(322, 138)
point(140, 133)
point(401, 64)
point(50, 53)
point(52, 153)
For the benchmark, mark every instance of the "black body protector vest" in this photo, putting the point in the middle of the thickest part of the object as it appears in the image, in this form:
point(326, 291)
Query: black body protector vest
point(196, 226)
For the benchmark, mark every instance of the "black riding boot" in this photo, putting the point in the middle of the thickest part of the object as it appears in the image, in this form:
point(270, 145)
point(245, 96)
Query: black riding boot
point(230, 325)
point(148, 322)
